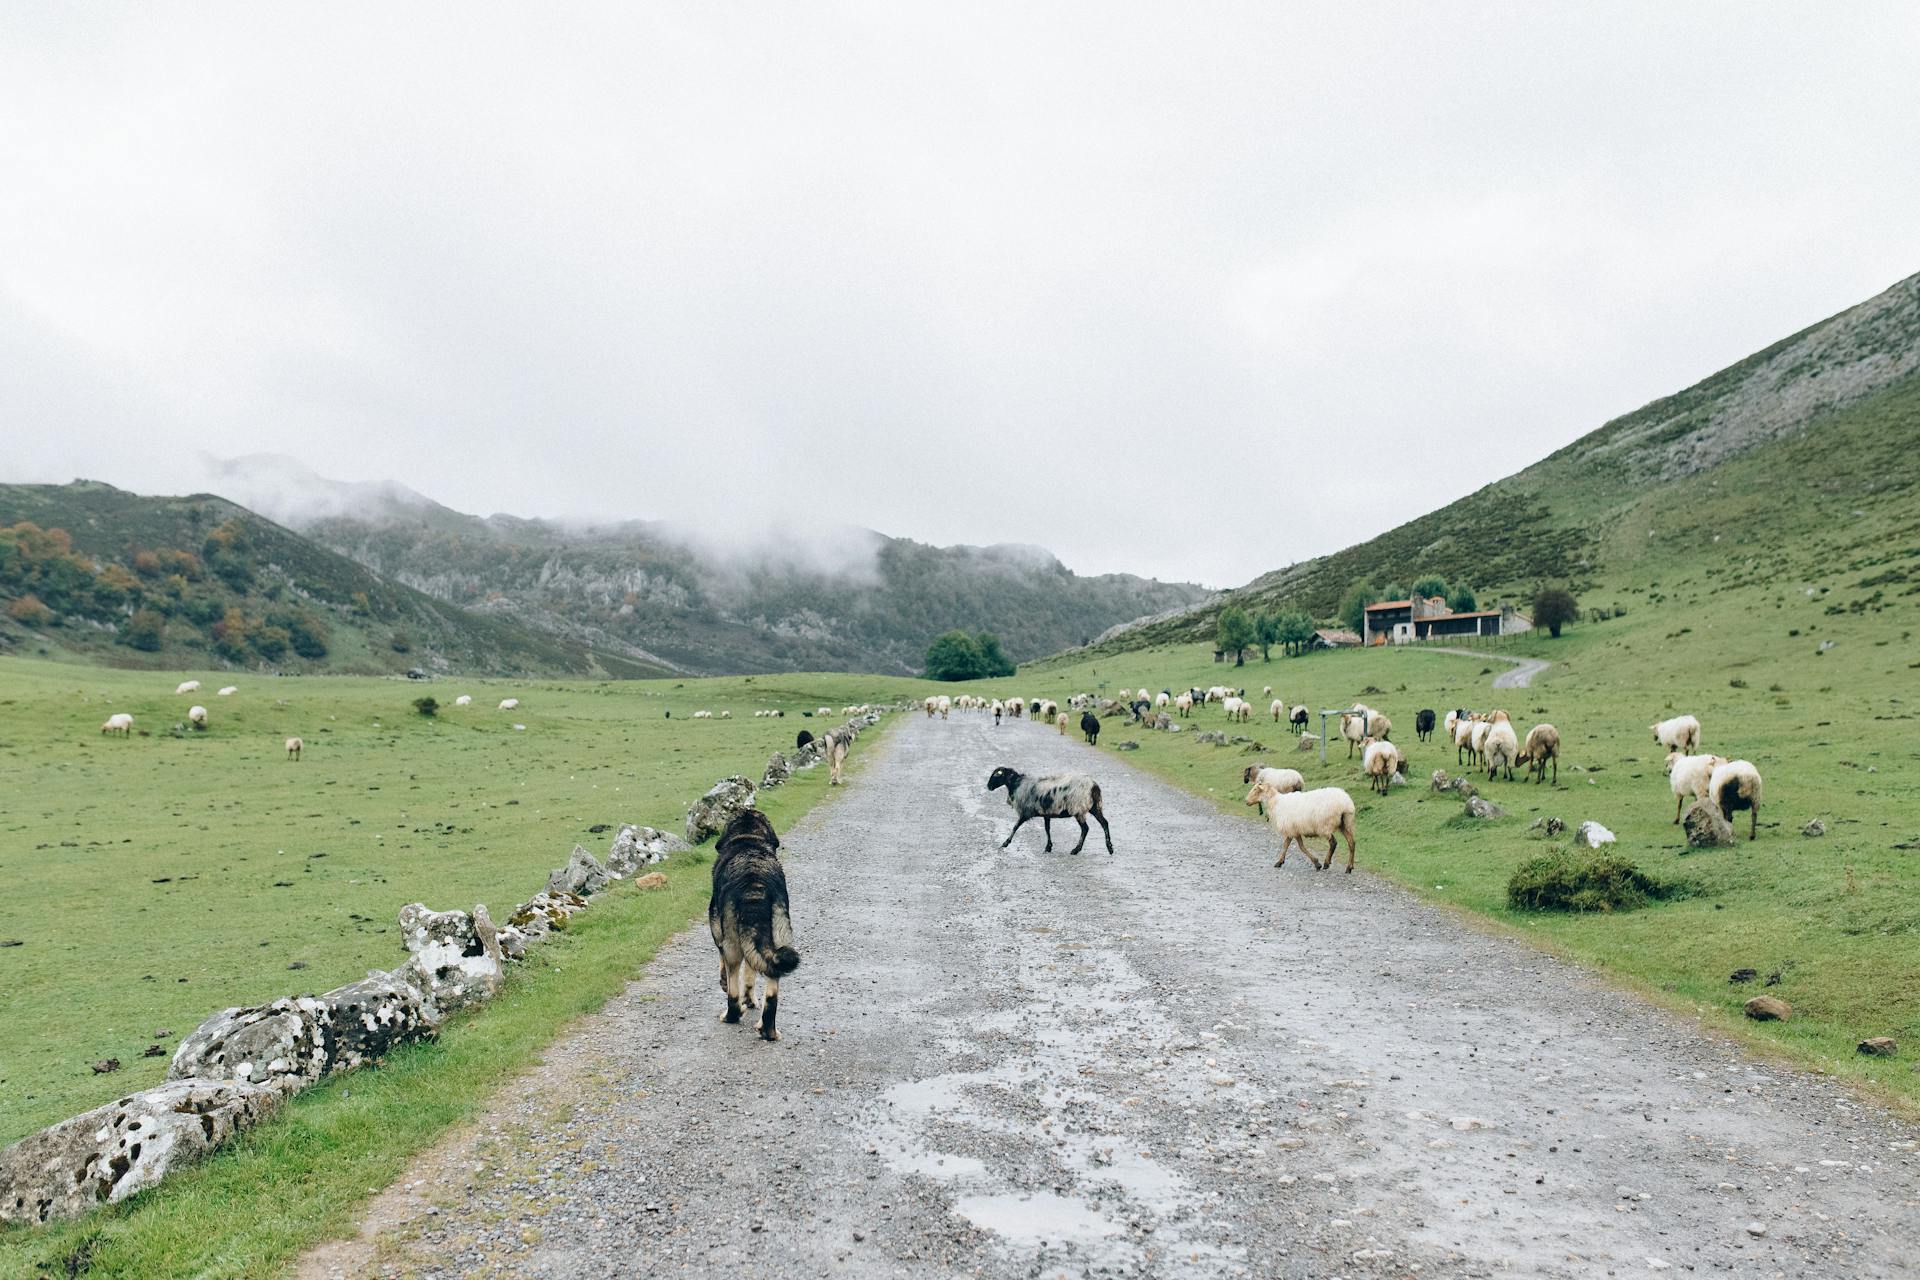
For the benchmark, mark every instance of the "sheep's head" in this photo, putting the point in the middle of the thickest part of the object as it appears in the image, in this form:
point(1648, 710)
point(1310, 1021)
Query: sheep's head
point(1002, 777)
point(1248, 774)
point(1262, 792)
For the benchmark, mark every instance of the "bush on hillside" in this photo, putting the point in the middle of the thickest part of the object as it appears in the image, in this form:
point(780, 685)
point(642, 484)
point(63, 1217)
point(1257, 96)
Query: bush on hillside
point(959, 656)
point(145, 631)
point(29, 610)
point(1583, 880)
point(1554, 608)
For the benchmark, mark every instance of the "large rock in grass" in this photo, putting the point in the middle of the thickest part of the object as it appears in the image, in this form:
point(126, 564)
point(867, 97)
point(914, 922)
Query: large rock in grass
point(374, 1016)
point(712, 812)
point(1705, 828)
point(457, 959)
point(544, 912)
point(1768, 1009)
point(107, 1154)
point(636, 847)
point(583, 874)
point(1481, 807)
point(1213, 737)
point(287, 1045)
point(777, 772)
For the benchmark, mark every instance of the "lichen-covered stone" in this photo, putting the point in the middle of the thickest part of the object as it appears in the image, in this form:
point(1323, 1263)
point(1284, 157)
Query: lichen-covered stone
point(637, 847)
point(777, 772)
point(1705, 827)
point(373, 1016)
point(712, 812)
point(455, 963)
point(287, 1044)
point(545, 912)
point(583, 875)
point(107, 1154)
point(1480, 807)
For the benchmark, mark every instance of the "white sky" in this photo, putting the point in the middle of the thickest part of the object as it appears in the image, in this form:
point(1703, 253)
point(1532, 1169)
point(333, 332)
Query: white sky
point(1191, 291)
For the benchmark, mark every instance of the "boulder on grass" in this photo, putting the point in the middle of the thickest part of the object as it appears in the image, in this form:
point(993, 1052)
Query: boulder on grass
point(1593, 835)
point(287, 1045)
point(637, 847)
point(712, 812)
point(1705, 828)
point(373, 1016)
point(651, 880)
point(456, 957)
point(777, 772)
point(1480, 807)
point(583, 875)
point(107, 1154)
point(1769, 1009)
point(544, 912)
point(1878, 1047)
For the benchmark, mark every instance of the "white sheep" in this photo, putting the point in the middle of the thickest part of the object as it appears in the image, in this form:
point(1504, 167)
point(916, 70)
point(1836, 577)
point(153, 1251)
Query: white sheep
point(293, 748)
point(1477, 740)
point(1125, 694)
point(1302, 815)
point(1689, 776)
point(1542, 745)
point(1380, 760)
point(726, 715)
point(1502, 745)
point(464, 700)
point(1284, 781)
point(1463, 737)
point(197, 717)
point(229, 691)
point(703, 715)
point(1681, 733)
point(1184, 704)
point(119, 722)
point(1162, 700)
point(1735, 785)
point(1060, 723)
point(509, 704)
point(187, 686)
point(1267, 691)
point(1361, 723)
point(1278, 710)
point(945, 704)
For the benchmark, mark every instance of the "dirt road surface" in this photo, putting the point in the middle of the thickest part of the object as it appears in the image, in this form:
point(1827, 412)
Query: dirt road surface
point(1519, 673)
point(1176, 1061)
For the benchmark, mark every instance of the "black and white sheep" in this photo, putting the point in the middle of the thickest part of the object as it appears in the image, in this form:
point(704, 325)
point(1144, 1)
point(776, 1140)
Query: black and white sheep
point(1734, 786)
point(1060, 795)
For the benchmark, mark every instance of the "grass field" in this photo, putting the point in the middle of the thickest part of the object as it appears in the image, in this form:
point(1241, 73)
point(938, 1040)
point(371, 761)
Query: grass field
point(1834, 734)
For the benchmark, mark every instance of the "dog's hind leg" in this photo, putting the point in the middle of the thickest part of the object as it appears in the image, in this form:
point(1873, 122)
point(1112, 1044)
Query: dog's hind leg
point(730, 979)
point(768, 1031)
point(747, 977)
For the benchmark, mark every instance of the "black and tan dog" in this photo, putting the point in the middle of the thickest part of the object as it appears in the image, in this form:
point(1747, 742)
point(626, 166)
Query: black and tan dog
point(748, 916)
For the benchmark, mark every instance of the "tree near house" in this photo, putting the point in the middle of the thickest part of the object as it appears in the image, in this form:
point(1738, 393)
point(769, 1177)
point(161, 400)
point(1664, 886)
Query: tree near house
point(1234, 634)
point(1430, 586)
point(1266, 633)
point(1554, 608)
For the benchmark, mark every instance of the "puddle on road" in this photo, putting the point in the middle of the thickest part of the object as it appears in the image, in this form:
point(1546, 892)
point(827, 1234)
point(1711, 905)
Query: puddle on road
point(1040, 1219)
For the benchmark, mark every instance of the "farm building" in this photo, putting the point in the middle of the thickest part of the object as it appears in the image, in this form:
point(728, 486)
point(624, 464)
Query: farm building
point(1405, 621)
point(1326, 638)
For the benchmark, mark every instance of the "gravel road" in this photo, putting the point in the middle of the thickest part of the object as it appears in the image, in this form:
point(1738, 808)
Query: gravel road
point(1176, 1061)
point(1518, 676)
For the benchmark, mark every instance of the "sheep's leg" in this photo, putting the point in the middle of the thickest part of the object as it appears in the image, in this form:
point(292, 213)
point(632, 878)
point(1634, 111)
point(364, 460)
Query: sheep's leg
point(768, 1031)
point(1679, 803)
point(1047, 822)
point(1016, 831)
point(1346, 829)
point(1099, 816)
point(1556, 770)
point(1083, 834)
point(1333, 845)
point(1753, 827)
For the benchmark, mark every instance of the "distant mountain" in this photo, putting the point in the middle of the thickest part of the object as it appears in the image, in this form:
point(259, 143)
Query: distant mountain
point(837, 599)
point(200, 581)
point(1747, 443)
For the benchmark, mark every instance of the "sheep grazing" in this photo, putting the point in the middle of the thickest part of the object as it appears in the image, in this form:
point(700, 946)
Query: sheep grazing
point(1238, 709)
point(197, 717)
point(229, 691)
point(1361, 723)
point(1266, 691)
point(1184, 705)
point(1423, 723)
point(1303, 815)
point(119, 722)
point(1682, 734)
point(1502, 745)
point(293, 748)
point(187, 686)
point(1542, 745)
point(1060, 723)
point(1278, 710)
point(1299, 719)
point(1162, 700)
point(1689, 776)
point(698, 715)
point(1380, 761)
point(1061, 795)
point(1089, 725)
point(1735, 785)
point(1463, 737)
point(1477, 741)
point(509, 704)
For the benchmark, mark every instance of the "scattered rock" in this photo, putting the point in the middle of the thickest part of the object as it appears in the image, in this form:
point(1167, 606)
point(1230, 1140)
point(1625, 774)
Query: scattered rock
point(1477, 807)
point(599, 828)
point(1213, 737)
point(111, 1152)
point(637, 847)
point(1308, 741)
point(544, 912)
point(105, 1065)
point(1878, 1047)
point(777, 772)
point(1129, 745)
point(1593, 835)
point(1814, 828)
point(1743, 975)
point(1705, 828)
point(712, 812)
point(155, 1051)
point(1757, 1230)
point(1769, 1009)
point(1441, 782)
point(651, 880)
point(1543, 828)
point(583, 875)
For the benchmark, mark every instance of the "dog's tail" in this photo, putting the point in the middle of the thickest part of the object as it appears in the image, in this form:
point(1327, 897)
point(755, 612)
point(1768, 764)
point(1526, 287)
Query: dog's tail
point(778, 962)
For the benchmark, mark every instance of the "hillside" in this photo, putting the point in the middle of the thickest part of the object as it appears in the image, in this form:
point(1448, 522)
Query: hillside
point(1749, 444)
point(837, 600)
point(197, 581)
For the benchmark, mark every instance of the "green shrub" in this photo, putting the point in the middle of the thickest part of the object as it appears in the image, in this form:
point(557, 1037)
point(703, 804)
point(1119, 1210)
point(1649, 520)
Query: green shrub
point(427, 706)
point(1583, 880)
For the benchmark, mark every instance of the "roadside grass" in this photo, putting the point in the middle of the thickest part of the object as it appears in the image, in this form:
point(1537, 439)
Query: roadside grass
point(1835, 736)
point(300, 1177)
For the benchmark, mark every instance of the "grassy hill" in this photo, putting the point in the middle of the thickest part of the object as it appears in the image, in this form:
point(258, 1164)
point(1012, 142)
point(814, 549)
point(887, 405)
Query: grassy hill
point(1770, 449)
point(199, 581)
point(841, 599)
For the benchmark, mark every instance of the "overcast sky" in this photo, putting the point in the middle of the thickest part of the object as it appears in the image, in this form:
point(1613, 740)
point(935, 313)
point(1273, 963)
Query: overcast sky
point(1190, 291)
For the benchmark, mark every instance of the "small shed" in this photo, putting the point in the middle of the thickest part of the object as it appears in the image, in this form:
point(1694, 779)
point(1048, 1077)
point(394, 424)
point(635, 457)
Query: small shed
point(1328, 638)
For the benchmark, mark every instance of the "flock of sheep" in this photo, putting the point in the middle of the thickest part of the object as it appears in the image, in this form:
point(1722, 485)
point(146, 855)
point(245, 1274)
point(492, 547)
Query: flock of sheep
point(1483, 739)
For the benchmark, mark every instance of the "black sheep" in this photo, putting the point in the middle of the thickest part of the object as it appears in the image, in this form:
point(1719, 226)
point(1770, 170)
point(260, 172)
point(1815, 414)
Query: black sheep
point(1090, 725)
point(1423, 724)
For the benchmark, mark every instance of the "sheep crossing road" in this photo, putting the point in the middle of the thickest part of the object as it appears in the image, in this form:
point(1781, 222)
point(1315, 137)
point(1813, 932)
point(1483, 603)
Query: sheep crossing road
point(1174, 1061)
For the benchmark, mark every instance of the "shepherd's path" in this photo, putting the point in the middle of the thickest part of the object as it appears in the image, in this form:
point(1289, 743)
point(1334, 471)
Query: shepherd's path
point(1175, 1061)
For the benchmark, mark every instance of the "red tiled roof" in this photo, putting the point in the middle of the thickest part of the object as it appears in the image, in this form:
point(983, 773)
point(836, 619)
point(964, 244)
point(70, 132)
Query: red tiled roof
point(1390, 604)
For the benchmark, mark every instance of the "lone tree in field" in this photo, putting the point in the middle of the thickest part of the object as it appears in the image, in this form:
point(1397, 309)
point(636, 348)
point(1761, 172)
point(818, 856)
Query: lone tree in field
point(1553, 608)
point(1266, 632)
point(1234, 634)
point(959, 656)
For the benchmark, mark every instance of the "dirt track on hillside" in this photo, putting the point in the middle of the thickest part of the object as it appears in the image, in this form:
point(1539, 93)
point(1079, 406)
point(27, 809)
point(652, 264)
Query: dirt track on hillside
point(1175, 1061)
point(1520, 672)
